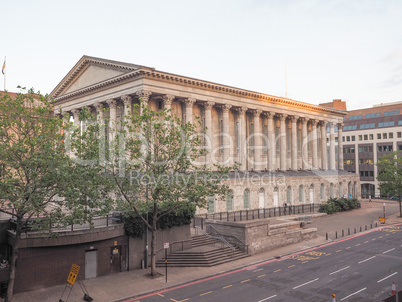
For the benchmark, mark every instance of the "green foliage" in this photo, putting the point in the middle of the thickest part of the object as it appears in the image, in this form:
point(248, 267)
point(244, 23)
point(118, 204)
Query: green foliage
point(334, 205)
point(135, 225)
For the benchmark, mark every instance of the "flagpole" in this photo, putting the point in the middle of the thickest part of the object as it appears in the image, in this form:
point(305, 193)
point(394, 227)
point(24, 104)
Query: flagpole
point(5, 73)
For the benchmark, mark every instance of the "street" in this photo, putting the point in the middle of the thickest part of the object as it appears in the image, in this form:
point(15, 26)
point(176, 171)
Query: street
point(357, 268)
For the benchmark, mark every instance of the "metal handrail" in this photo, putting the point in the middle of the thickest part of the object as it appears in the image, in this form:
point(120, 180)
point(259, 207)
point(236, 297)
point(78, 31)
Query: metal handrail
point(231, 236)
point(216, 237)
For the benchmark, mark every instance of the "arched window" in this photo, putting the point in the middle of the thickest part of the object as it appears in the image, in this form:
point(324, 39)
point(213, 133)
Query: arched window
point(276, 197)
point(331, 190)
point(340, 189)
point(322, 191)
point(301, 194)
point(312, 193)
point(211, 204)
point(289, 195)
point(246, 199)
point(261, 198)
point(229, 201)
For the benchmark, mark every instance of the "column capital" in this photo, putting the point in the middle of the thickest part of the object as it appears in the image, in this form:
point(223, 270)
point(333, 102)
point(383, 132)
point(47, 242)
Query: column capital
point(241, 109)
point(304, 120)
point(314, 122)
point(322, 123)
point(75, 111)
point(189, 102)
point(340, 125)
point(226, 108)
point(167, 99)
point(256, 112)
point(208, 105)
point(112, 103)
point(294, 118)
point(126, 99)
point(98, 106)
point(268, 114)
point(143, 95)
point(331, 125)
point(282, 116)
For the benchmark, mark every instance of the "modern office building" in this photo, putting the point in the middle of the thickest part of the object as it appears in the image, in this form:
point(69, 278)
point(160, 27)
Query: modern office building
point(369, 134)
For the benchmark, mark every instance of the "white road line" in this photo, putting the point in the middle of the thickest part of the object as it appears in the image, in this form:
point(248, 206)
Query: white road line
point(305, 283)
point(366, 260)
point(267, 298)
point(257, 270)
point(339, 270)
point(388, 251)
point(387, 277)
point(354, 293)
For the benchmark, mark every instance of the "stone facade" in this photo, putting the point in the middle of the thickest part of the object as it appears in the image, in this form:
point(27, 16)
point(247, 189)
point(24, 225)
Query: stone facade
point(263, 133)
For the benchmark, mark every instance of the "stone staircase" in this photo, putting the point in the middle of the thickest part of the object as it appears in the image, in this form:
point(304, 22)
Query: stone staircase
point(205, 251)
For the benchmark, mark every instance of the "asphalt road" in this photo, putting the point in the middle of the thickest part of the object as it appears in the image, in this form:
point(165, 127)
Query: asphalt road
point(358, 268)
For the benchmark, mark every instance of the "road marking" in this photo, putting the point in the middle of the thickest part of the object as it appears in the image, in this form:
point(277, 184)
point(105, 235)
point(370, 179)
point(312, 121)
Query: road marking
point(304, 262)
point(365, 241)
point(328, 254)
point(206, 293)
point(387, 277)
point(257, 270)
point(305, 283)
point(291, 266)
point(161, 295)
point(354, 293)
point(227, 286)
point(278, 270)
point(380, 237)
point(357, 244)
point(387, 235)
point(338, 251)
point(366, 260)
point(267, 298)
point(244, 281)
point(388, 251)
point(347, 248)
point(261, 276)
point(339, 270)
point(373, 239)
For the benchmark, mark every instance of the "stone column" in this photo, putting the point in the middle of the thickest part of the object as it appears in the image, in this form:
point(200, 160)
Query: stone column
point(75, 113)
point(331, 147)
point(143, 95)
point(167, 102)
point(127, 110)
point(271, 141)
point(283, 154)
point(257, 140)
point(242, 138)
point(102, 141)
point(189, 109)
point(304, 150)
point(314, 141)
point(112, 118)
point(226, 136)
point(66, 132)
point(340, 147)
point(324, 155)
point(208, 133)
point(294, 142)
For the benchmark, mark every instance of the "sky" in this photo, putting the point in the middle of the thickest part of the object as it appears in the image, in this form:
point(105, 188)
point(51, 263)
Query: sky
point(312, 51)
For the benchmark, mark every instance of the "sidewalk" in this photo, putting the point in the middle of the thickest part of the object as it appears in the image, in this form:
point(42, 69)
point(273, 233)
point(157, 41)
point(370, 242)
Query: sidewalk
point(123, 285)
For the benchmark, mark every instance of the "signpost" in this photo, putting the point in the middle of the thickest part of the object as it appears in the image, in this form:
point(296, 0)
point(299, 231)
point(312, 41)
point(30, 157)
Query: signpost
point(166, 247)
point(72, 277)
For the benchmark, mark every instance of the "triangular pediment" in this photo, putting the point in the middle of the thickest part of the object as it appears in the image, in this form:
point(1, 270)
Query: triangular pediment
point(90, 71)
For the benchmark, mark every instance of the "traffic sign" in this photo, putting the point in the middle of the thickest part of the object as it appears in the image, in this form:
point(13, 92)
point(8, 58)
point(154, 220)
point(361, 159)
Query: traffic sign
point(166, 245)
point(72, 276)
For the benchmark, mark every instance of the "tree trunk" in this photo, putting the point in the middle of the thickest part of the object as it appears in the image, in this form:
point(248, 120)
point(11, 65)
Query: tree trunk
point(153, 249)
point(14, 257)
point(400, 207)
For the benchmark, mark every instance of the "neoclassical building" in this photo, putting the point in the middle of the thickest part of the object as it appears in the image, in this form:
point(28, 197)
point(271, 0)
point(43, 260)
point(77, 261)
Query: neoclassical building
point(282, 146)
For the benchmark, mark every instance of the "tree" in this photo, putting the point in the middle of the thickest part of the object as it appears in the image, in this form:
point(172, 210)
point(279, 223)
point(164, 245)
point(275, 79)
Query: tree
point(153, 160)
point(390, 176)
point(40, 185)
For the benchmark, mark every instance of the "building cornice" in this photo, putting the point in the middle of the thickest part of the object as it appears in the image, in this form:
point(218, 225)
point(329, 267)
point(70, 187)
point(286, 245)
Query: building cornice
point(150, 73)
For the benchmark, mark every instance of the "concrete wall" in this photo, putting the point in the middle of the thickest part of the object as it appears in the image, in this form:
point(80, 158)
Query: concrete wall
point(260, 236)
point(175, 234)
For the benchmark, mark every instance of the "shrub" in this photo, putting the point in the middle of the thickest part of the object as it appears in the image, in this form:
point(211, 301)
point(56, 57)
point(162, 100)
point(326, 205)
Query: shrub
point(334, 205)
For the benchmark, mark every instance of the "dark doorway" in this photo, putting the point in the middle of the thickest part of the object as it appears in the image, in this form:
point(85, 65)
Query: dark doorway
point(115, 259)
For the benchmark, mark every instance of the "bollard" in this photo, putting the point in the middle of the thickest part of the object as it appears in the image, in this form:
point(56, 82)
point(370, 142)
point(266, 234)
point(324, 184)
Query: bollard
point(365, 228)
point(336, 234)
point(371, 225)
point(348, 231)
point(355, 230)
point(343, 233)
point(360, 229)
point(326, 236)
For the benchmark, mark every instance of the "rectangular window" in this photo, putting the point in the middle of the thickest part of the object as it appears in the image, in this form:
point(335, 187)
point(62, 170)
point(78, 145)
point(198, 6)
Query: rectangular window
point(360, 137)
point(379, 148)
point(371, 136)
point(399, 134)
point(384, 135)
point(371, 173)
point(361, 173)
point(399, 147)
point(390, 148)
point(365, 137)
point(378, 135)
point(353, 138)
point(347, 138)
point(391, 135)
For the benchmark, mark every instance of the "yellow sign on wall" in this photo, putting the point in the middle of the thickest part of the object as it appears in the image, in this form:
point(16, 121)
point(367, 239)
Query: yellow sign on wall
point(72, 276)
